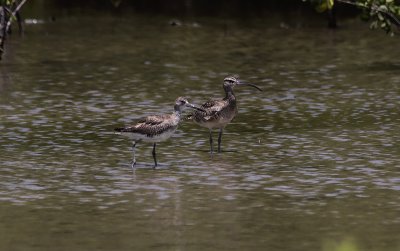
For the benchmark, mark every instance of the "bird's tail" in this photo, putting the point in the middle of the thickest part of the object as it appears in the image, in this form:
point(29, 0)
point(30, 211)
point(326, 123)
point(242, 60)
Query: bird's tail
point(119, 129)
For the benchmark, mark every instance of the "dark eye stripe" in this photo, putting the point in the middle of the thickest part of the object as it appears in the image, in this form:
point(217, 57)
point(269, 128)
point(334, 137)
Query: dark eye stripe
point(230, 80)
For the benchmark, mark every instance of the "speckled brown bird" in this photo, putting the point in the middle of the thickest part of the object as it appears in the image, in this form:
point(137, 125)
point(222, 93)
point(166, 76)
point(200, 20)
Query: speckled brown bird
point(218, 113)
point(155, 128)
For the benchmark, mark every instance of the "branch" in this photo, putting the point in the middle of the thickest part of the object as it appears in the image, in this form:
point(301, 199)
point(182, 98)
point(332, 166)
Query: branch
point(14, 13)
point(8, 17)
point(374, 8)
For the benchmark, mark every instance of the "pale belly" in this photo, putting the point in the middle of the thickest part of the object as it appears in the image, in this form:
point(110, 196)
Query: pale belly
point(143, 137)
point(220, 122)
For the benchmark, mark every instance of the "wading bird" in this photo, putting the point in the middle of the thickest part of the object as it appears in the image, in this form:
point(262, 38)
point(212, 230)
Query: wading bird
point(155, 128)
point(218, 113)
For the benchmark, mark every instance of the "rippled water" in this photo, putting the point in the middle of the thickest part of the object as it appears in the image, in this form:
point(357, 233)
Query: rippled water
point(311, 163)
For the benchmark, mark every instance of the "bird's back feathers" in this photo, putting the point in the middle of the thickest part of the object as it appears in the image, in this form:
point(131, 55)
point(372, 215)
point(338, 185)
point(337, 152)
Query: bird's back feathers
point(151, 126)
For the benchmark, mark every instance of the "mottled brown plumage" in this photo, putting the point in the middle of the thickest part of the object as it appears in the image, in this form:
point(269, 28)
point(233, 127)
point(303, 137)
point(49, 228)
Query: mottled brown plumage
point(155, 128)
point(150, 128)
point(219, 113)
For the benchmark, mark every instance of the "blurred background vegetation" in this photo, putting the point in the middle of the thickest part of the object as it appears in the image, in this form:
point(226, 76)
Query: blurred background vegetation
point(382, 14)
point(179, 8)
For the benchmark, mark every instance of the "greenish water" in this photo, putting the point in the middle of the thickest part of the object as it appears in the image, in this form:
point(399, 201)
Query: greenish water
point(311, 163)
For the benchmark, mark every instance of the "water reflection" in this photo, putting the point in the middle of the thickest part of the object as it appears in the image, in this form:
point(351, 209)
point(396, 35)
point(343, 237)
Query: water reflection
point(316, 151)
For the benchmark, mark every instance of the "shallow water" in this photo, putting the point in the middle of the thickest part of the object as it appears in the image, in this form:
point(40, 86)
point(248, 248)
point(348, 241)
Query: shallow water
point(310, 163)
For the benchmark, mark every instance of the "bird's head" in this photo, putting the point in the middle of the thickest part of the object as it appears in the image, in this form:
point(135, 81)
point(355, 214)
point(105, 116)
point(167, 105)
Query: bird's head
point(231, 81)
point(181, 103)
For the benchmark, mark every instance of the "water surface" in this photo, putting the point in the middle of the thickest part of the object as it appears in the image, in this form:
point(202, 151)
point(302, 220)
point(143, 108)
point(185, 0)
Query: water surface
point(311, 163)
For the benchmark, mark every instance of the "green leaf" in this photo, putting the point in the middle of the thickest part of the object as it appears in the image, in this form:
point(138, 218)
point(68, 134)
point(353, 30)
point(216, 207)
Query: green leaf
point(330, 3)
point(321, 7)
point(383, 8)
point(373, 25)
point(380, 16)
point(325, 5)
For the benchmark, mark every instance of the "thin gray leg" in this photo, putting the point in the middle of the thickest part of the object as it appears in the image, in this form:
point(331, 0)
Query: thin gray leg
point(154, 155)
point(133, 151)
point(219, 139)
point(211, 142)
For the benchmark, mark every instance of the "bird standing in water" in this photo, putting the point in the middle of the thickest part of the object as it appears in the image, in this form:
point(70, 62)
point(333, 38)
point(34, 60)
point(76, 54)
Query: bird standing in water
point(155, 128)
point(218, 113)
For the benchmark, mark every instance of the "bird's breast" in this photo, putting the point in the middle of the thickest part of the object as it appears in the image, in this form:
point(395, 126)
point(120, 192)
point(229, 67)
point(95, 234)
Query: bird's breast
point(217, 116)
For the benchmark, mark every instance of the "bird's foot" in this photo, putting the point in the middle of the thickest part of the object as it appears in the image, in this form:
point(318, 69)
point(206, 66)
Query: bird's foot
point(133, 164)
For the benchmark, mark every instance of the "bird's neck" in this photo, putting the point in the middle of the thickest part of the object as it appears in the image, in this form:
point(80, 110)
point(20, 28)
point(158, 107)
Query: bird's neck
point(228, 92)
point(229, 95)
point(177, 113)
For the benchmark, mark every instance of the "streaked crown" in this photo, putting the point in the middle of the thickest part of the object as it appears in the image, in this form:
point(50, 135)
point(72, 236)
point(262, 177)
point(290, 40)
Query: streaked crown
point(181, 101)
point(231, 79)
point(230, 82)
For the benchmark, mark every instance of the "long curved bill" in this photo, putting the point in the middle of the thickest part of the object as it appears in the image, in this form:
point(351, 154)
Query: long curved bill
point(195, 107)
point(249, 84)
